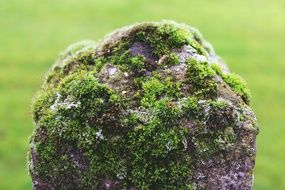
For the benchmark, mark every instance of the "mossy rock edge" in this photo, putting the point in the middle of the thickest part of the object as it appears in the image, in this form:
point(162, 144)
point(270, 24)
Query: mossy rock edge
point(149, 107)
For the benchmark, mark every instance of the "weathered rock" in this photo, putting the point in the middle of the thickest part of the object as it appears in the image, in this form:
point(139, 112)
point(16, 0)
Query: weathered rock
point(150, 107)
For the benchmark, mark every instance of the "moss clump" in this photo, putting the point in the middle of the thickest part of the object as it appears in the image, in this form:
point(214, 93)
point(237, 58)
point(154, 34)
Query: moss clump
point(200, 75)
point(158, 158)
point(153, 89)
point(237, 84)
point(171, 59)
point(163, 38)
point(137, 111)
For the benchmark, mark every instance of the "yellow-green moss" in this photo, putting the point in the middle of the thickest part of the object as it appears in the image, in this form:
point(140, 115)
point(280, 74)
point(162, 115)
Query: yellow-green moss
point(153, 89)
point(200, 76)
point(236, 83)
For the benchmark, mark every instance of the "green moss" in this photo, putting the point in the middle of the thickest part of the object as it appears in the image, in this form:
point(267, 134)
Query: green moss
point(237, 84)
point(171, 59)
point(176, 36)
point(52, 161)
point(156, 148)
point(157, 159)
point(167, 111)
point(131, 120)
point(154, 89)
point(99, 62)
point(127, 61)
point(217, 69)
point(78, 62)
point(218, 105)
point(136, 63)
point(41, 104)
point(77, 124)
point(106, 160)
point(163, 38)
point(190, 107)
point(120, 55)
point(200, 77)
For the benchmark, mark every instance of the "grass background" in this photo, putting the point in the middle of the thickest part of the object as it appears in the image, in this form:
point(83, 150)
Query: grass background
point(248, 34)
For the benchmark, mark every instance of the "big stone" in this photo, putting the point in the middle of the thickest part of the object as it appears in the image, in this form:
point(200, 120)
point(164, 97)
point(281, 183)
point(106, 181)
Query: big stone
point(149, 107)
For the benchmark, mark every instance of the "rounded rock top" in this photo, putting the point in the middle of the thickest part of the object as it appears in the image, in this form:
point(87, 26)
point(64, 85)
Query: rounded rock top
point(149, 107)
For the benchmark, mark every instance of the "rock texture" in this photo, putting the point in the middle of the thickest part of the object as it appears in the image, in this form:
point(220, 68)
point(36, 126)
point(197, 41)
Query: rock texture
point(150, 107)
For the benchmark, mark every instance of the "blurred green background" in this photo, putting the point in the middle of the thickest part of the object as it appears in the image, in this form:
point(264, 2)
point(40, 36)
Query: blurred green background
point(248, 34)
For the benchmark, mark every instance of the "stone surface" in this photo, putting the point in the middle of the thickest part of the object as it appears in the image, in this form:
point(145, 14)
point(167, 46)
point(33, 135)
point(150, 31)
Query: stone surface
point(149, 107)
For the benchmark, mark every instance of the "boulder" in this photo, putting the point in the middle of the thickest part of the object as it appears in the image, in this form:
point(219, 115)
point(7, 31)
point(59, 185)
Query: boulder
point(149, 107)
